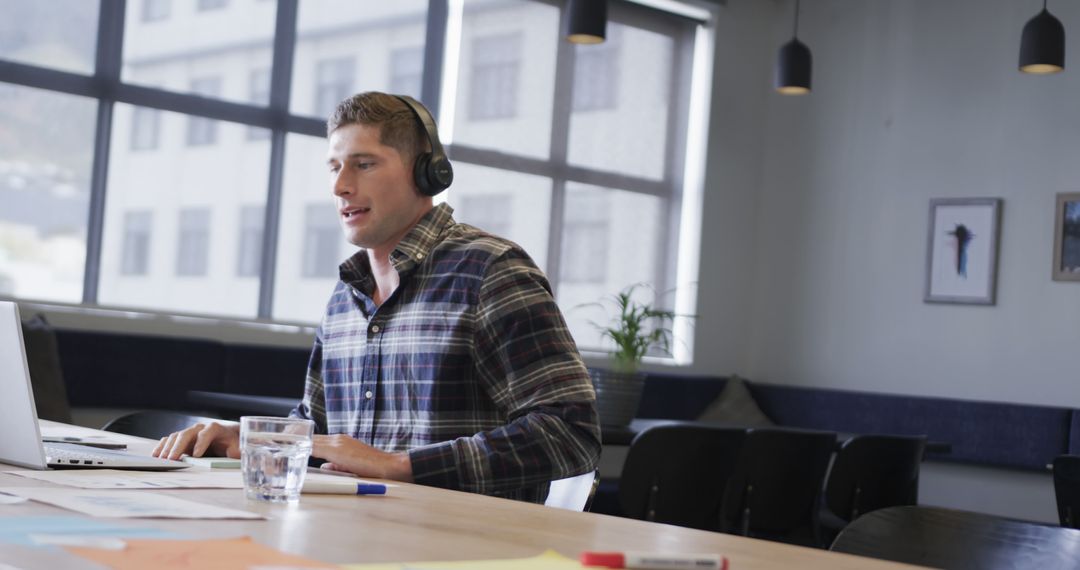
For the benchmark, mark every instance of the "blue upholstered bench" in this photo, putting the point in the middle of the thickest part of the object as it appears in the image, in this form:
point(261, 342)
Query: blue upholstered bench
point(1000, 434)
point(157, 372)
point(143, 371)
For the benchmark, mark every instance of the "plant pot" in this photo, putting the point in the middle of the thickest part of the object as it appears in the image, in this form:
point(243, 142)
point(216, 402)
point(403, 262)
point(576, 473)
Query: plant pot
point(617, 395)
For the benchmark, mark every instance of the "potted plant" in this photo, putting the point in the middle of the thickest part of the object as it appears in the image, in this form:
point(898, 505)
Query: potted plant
point(635, 328)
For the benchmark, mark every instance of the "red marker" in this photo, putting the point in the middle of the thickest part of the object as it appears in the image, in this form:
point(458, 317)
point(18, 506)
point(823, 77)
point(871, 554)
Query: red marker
point(654, 561)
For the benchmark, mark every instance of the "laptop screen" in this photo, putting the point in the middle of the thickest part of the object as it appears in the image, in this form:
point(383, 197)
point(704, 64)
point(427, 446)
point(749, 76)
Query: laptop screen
point(20, 443)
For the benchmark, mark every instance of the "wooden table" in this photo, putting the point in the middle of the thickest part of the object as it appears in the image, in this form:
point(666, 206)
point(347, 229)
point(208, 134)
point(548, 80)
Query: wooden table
point(947, 538)
point(415, 523)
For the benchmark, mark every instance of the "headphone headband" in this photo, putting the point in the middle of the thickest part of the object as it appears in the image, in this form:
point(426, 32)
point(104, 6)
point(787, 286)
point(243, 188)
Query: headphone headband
point(432, 170)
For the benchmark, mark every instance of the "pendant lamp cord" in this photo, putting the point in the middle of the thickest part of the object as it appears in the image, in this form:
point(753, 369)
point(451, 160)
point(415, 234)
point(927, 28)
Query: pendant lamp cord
point(1044, 4)
point(795, 32)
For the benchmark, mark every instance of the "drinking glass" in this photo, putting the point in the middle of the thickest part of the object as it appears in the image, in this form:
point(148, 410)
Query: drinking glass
point(274, 456)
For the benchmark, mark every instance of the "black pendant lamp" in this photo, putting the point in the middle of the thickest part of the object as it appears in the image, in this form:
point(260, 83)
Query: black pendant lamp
point(1042, 45)
point(793, 66)
point(586, 21)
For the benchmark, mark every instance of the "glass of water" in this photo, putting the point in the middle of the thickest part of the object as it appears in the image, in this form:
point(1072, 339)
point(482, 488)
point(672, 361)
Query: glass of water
point(273, 457)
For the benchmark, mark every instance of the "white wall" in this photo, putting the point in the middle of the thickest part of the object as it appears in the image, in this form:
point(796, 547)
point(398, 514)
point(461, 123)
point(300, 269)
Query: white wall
point(823, 231)
point(732, 177)
point(813, 257)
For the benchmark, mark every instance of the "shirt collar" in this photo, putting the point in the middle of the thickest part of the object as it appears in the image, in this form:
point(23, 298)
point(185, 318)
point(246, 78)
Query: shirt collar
point(410, 251)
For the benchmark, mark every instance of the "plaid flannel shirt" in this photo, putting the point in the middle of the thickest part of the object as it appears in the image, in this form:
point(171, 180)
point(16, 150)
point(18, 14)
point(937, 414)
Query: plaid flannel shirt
point(468, 366)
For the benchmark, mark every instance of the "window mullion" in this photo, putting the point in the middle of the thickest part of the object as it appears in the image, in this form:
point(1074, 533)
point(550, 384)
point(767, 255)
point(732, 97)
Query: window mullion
point(280, 94)
point(438, 17)
point(675, 155)
point(110, 42)
point(560, 136)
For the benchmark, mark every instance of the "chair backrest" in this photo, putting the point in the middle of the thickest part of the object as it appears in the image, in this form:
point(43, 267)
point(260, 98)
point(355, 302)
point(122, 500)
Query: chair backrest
point(872, 472)
point(154, 424)
point(775, 490)
point(675, 474)
point(947, 538)
point(1067, 489)
point(46, 374)
point(573, 493)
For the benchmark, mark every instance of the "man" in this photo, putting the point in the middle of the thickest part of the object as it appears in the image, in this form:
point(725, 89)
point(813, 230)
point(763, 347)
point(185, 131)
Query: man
point(442, 358)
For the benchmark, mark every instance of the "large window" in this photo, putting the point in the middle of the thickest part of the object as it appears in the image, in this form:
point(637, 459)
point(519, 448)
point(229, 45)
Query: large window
point(203, 131)
point(259, 86)
point(596, 73)
point(210, 194)
point(45, 167)
point(320, 256)
point(197, 214)
point(155, 10)
point(249, 250)
point(496, 63)
point(194, 243)
point(145, 124)
point(135, 257)
point(57, 34)
point(407, 71)
point(333, 82)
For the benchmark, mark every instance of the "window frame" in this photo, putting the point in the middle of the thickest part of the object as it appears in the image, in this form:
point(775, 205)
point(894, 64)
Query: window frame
point(558, 168)
point(106, 87)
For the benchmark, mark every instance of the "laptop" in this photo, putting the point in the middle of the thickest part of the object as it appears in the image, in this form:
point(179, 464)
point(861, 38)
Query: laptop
point(20, 435)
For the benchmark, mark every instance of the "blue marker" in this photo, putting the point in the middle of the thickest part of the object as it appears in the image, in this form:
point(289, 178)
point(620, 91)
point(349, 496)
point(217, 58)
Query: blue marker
point(343, 488)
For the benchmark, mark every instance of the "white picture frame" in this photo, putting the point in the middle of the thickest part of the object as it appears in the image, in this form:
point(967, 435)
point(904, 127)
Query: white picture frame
point(962, 250)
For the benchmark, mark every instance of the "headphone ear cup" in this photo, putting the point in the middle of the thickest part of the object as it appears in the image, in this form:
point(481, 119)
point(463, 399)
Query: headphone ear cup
point(420, 174)
point(440, 173)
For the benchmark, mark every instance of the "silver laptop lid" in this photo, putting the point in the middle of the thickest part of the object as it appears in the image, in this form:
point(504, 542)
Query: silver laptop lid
point(21, 441)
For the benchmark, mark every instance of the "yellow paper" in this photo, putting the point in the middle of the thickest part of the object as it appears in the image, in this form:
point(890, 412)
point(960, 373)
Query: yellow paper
point(226, 554)
point(549, 560)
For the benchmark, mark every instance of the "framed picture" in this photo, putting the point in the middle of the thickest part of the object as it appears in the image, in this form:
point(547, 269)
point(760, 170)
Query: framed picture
point(962, 250)
point(1067, 238)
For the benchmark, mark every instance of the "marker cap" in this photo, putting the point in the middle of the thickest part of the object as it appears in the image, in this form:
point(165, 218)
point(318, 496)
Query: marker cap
point(603, 559)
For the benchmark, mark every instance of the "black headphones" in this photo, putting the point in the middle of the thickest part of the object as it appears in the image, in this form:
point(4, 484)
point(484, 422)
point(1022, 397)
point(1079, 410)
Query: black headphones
point(432, 170)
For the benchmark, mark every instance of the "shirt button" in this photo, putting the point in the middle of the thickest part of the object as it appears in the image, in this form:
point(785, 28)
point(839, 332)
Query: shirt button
point(374, 328)
point(368, 394)
point(419, 256)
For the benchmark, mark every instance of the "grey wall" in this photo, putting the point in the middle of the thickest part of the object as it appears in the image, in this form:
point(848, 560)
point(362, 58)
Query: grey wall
point(816, 212)
point(815, 242)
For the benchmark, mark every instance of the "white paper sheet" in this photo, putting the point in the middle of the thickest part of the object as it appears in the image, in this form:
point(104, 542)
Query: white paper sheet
point(120, 479)
point(78, 433)
point(198, 478)
point(119, 503)
point(6, 499)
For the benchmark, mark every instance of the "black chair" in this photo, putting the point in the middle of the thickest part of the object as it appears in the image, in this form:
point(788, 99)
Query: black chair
point(775, 490)
point(872, 472)
point(675, 474)
point(958, 540)
point(1067, 489)
point(154, 424)
point(46, 374)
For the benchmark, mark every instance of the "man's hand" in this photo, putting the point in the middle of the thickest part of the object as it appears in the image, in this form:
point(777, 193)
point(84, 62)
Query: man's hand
point(344, 453)
point(223, 440)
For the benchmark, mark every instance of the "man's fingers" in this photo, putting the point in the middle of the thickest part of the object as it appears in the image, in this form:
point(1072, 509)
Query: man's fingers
point(206, 437)
point(160, 445)
point(166, 447)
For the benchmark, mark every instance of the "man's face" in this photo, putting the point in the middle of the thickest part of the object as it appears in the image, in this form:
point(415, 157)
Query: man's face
point(376, 197)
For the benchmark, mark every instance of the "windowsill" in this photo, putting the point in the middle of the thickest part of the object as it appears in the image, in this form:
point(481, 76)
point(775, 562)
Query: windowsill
point(141, 321)
point(598, 359)
point(233, 330)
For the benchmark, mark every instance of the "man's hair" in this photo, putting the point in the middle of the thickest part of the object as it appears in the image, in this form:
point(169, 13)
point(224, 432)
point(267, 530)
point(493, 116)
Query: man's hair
point(398, 127)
